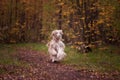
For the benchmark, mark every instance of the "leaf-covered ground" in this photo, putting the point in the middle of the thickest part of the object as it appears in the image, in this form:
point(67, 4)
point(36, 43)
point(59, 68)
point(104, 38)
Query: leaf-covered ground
point(37, 66)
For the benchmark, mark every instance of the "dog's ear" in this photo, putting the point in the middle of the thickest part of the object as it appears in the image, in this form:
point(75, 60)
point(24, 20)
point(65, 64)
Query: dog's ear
point(61, 32)
point(52, 34)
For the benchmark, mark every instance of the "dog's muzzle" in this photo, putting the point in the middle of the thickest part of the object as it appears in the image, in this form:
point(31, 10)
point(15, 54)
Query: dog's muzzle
point(58, 36)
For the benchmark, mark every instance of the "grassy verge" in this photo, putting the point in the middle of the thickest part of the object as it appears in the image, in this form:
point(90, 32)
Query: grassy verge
point(6, 54)
point(98, 60)
point(8, 58)
point(7, 51)
point(33, 46)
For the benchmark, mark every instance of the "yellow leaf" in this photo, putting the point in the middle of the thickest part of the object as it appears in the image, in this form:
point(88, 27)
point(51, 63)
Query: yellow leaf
point(72, 46)
point(100, 21)
point(80, 43)
point(12, 41)
point(76, 22)
point(82, 18)
point(57, 11)
point(68, 21)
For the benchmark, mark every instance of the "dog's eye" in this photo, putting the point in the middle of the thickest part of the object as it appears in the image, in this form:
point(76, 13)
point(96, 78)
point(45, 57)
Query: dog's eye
point(56, 33)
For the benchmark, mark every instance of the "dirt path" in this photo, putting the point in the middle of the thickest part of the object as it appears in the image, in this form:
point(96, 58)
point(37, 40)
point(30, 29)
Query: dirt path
point(40, 68)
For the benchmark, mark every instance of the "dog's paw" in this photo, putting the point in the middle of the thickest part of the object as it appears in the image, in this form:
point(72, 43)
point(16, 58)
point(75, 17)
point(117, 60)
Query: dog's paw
point(53, 60)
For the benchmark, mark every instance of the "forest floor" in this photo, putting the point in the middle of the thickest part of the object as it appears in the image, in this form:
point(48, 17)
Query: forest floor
point(35, 65)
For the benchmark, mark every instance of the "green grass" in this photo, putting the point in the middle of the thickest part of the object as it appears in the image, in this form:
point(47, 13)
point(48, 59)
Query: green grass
point(99, 60)
point(33, 46)
point(7, 51)
point(7, 56)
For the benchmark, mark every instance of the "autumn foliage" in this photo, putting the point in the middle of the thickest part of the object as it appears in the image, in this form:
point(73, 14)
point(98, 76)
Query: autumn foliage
point(84, 22)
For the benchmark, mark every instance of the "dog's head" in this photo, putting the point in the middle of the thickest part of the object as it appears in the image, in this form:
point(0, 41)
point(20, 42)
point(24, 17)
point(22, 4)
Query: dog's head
point(57, 34)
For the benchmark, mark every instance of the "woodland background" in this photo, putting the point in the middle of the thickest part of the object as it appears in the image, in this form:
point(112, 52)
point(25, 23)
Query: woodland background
point(91, 27)
point(84, 22)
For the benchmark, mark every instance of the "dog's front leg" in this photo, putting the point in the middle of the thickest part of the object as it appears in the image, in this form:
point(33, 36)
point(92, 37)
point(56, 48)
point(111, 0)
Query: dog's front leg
point(53, 54)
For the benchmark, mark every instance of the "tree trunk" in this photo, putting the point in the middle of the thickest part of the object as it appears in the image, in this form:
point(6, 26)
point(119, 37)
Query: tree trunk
point(40, 20)
point(81, 26)
point(60, 18)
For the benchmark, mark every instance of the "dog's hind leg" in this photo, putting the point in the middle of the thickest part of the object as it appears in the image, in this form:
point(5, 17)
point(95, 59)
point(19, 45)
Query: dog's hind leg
point(54, 58)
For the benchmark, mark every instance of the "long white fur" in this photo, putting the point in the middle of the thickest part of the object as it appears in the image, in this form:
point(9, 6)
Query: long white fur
point(56, 46)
